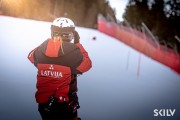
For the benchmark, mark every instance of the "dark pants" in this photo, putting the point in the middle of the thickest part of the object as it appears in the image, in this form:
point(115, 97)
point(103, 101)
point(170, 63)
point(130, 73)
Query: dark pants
point(59, 112)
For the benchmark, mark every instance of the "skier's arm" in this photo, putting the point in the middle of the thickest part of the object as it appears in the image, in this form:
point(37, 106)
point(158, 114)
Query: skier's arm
point(86, 63)
point(32, 58)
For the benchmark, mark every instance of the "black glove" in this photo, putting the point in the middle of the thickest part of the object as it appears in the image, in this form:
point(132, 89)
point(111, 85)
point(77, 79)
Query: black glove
point(72, 106)
point(76, 37)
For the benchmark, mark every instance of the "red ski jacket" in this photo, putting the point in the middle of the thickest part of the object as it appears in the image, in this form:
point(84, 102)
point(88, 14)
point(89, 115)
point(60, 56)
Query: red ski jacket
point(57, 63)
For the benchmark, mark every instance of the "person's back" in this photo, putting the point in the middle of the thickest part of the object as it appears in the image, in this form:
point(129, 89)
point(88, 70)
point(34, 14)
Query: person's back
point(58, 62)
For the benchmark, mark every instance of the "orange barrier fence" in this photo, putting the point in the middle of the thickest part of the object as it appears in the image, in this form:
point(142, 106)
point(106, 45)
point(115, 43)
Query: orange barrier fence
point(142, 43)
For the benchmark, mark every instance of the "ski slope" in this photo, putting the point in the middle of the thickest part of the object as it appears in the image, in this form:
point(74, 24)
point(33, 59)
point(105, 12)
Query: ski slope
point(122, 84)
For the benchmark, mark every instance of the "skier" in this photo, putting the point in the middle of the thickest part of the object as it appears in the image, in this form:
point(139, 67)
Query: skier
point(59, 61)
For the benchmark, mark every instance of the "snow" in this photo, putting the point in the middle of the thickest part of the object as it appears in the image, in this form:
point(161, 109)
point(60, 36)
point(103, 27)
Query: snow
point(112, 90)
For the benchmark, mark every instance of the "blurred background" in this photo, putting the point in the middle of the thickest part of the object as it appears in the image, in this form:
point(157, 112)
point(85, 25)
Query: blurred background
point(160, 16)
point(127, 84)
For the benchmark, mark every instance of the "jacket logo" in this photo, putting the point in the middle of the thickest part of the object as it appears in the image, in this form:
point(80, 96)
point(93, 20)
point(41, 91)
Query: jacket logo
point(51, 67)
point(51, 73)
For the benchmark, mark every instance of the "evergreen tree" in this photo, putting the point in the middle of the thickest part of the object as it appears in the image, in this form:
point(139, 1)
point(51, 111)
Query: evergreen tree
point(161, 17)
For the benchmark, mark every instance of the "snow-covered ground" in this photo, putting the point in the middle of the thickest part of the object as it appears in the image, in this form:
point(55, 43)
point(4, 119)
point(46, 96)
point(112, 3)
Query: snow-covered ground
point(122, 84)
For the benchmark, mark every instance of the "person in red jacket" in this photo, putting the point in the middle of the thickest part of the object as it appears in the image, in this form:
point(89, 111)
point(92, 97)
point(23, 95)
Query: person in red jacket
point(59, 61)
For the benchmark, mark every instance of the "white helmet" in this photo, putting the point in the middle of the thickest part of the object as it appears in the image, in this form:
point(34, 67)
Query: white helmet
point(63, 22)
point(63, 27)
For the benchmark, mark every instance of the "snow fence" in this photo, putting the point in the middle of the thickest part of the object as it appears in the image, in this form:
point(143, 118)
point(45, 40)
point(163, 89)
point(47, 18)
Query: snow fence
point(142, 43)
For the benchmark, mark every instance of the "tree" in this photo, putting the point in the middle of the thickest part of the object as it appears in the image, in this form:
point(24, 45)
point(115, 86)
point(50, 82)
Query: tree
point(82, 12)
point(161, 17)
point(137, 12)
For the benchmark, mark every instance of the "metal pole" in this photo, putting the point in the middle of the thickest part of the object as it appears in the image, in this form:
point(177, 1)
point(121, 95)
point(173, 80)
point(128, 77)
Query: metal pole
point(139, 65)
point(128, 25)
point(127, 65)
point(150, 33)
point(177, 38)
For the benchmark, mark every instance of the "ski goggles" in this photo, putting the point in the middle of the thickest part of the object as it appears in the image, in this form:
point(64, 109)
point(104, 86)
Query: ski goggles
point(64, 35)
point(67, 35)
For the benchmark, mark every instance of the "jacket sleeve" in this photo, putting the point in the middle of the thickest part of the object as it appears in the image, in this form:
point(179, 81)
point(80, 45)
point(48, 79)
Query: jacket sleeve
point(86, 63)
point(32, 58)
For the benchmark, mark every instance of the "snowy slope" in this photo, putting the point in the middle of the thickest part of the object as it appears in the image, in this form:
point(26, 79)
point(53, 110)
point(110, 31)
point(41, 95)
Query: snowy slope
point(123, 84)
